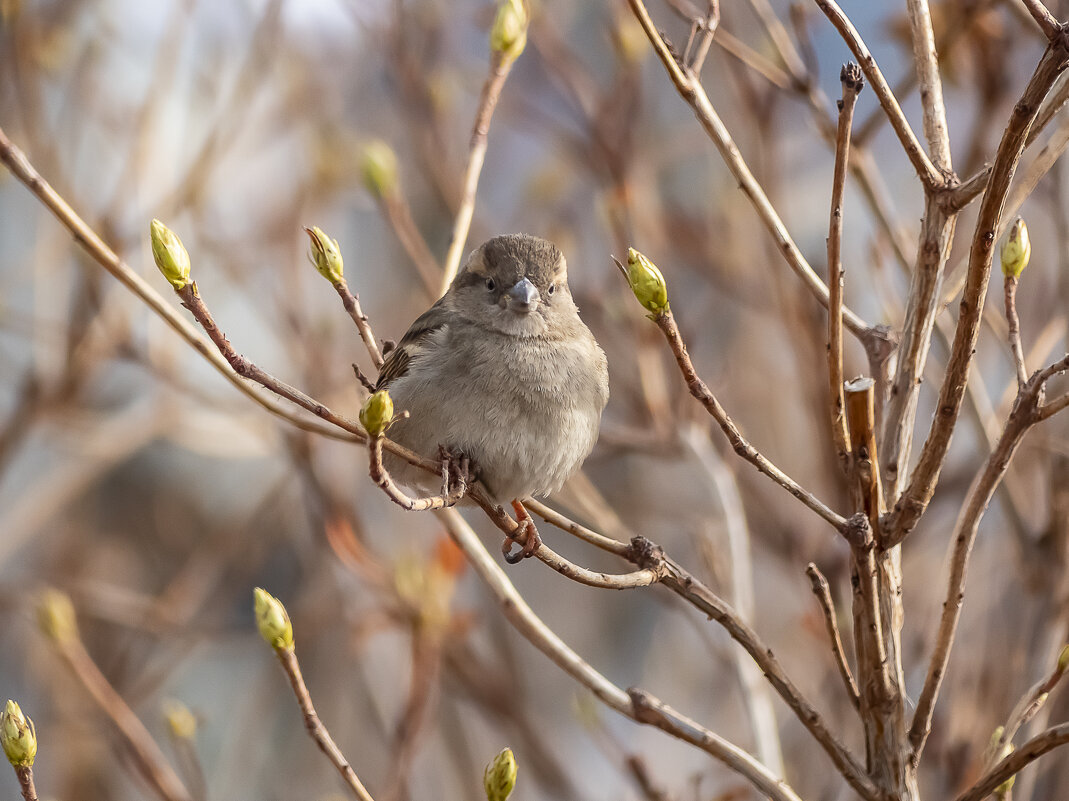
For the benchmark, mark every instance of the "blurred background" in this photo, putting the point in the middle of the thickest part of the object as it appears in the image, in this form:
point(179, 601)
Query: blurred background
point(138, 481)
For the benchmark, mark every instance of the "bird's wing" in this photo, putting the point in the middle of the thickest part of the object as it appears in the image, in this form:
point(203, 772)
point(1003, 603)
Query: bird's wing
point(413, 344)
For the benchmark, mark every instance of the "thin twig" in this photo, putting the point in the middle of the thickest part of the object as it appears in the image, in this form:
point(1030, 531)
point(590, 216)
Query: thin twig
point(26, 785)
point(454, 486)
point(930, 176)
point(351, 303)
point(1026, 708)
point(147, 754)
point(500, 66)
point(20, 167)
point(691, 90)
point(316, 730)
point(915, 498)
point(595, 538)
point(852, 82)
point(636, 705)
point(690, 588)
point(666, 322)
point(822, 591)
point(395, 209)
point(1009, 286)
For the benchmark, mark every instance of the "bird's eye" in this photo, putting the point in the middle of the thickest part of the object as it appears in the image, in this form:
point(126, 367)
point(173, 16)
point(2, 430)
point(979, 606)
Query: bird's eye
point(552, 288)
point(490, 285)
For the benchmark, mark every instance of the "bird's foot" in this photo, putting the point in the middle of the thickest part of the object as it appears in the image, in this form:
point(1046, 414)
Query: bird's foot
point(457, 473)
point(525, 534)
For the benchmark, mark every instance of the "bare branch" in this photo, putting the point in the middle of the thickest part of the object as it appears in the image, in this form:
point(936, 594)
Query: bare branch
point(928, 173)
point(666, 322)
point(316, 730)
point(931, 87)
point(1044, 19)
point(1009, 286)
point(853, 82)
point(823, 593)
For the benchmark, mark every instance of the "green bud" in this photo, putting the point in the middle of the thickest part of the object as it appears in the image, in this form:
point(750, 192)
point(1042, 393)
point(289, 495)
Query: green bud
point(508, 35)
point(17, 736)
point(55, 616)
point(273, 620)
point(1016, 250)
point(170, 255)
point(325, 255)
point(1063, 660)
point(1007, 785)
point(377, 413)
point(499, 777)
point(647, 283)
point(378, 166)
point(180, 719)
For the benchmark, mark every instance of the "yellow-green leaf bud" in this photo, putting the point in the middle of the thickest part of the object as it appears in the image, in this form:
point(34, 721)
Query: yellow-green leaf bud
point(647, 283)
point(273, 620)
point(325, 255)
point(170, 255)
point(377, 413)
point(1063, 660)
point(17, 736)
point(1016, 250)
point(180, 719)
point(508, 35)
point(55, 616)
point(499, 777)
point(378, 166)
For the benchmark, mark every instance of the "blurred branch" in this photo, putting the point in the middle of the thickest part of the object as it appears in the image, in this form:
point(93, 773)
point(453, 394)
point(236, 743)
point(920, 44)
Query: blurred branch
point(931, 86)
point(1029, 752)
point(147, 754)
point(500, 66)
point(635, 704)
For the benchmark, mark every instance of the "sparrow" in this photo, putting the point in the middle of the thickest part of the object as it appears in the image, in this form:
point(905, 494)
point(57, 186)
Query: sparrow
point(502, 371)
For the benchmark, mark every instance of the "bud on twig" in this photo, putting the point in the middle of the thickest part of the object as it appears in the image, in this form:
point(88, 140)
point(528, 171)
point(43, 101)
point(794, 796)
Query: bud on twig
point(1063, 660)
point(55, 616)
point(508, 35)
point(646, 282)
point(273, 620)
point(325, 255)
point(180, 719)
point(379, 168)
point(170, 255)
point(377, 413)
point(17, 736)
point(1016, 250)
point(499, 777)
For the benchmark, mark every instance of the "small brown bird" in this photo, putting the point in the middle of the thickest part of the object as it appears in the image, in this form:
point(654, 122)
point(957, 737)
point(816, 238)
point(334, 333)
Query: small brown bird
point(503, 371)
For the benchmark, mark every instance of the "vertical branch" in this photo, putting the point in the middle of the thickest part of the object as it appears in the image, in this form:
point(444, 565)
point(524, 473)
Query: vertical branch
point(500, 66)
point(861, 418)
point(915, 498)
point(852, 82)
point(1013, 333)
point(926, 61)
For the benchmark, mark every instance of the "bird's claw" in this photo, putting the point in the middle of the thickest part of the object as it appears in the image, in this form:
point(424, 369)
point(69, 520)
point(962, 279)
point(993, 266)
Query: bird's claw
point(525, 534)
point(457, 474)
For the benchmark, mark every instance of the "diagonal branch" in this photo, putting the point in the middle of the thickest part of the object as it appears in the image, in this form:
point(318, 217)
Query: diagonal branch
point(915, 498)
point(691, 90)
point(1029, 752)
point(931, 177)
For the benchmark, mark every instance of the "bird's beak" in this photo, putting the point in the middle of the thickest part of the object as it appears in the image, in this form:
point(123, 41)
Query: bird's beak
point(523, 297)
